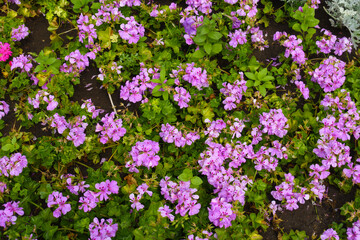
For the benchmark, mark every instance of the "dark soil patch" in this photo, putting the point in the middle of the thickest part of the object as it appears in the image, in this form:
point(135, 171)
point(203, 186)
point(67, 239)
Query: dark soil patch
point(314, 219)
point(39, 36)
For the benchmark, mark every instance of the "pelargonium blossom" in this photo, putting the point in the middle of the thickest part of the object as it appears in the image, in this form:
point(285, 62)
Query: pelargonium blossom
point(12, 166)
point(144, 154)
point(111, 129)
point(23, 62)
point(5, 51)
point(274, 123)
point(330, 75)
point(19, 33)
point(103, 229)
point(4, 109)
point(7, 216)
point(57, 199)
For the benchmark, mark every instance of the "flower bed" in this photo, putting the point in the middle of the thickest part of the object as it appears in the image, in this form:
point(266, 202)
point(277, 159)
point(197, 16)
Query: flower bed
point(136, 119)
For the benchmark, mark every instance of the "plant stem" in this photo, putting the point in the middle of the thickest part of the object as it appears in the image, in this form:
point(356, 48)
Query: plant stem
point(83, 164)
point(112, 103)
point(67, 31)
point(35, 204)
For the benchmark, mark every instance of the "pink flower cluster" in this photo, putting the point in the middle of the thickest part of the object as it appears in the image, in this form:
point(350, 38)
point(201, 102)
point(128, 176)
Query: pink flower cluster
point(5, 51)
point(77, 131)
point(76, 188)
point(23, 62)
point(292, 45)
point(183, 194)
point(274, 123)
point(57, 199)
point(7, 216)
point(43, 97)
point(290, 193)
point(105, 229)
point(90, 198)
point(4, 109)
point(215, 128)
point(329, 234)
point(111, 129)
point(132, 31)
point(267, 158)
point(353, 233)
point(182, 97)
point(230, 188)
point(12, 166)
point(86, 29)
point(135, 200)
point(233, 92)
point(203, 6)
point(76, 62)
point(3, 187)
point(90, 107)
point(195, 76)
point(330, 75)
point(220, 213)
point(133, 91)
point(58, 122)
point(19, 33)
point(303, 89)
point(331, 43)
point(353, 172)
point(191, 21)
point(143, 154)
point(205, 233)
point(236, 127)
point(171, 134)
point(237, 38)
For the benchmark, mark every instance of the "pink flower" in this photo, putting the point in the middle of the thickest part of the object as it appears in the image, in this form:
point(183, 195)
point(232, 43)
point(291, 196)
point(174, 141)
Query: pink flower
point(166, 212)
point(5, 52)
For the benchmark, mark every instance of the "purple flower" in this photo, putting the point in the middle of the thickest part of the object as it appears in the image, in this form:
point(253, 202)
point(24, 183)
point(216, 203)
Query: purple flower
point(166, 212)
point(88, 201)
point(105, 229)
point(56, 198)
point(23, 62)
point(136, 202)
point(13, 166)
point(111, 129)
point(19, 33)
point(329, 234)
point(4, 109)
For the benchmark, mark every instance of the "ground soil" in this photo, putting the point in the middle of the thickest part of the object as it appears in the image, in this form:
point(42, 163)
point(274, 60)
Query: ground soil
point(311, 218)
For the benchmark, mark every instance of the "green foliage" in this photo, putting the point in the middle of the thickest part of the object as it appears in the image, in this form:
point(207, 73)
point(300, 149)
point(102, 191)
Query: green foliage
point(261, 80)
point(208, 39)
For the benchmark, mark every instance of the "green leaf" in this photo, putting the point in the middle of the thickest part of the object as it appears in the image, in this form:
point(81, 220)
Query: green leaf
point(250, 75)
point(162, 73)
point(267, 78)
point(208, 48)
point(256, 83)
point(304, 27)
point(262, 90)
point(170, 82)
point(199, 39)
point(249, 83)
point(156, 89)
point(198, 54)
point(296, 27)
point(166, 95)
point(215, 35)
point(216, 48)
point(7, 147)
point(268, 85)
point(186, 175)
point(196, 181)
point(262, 73)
